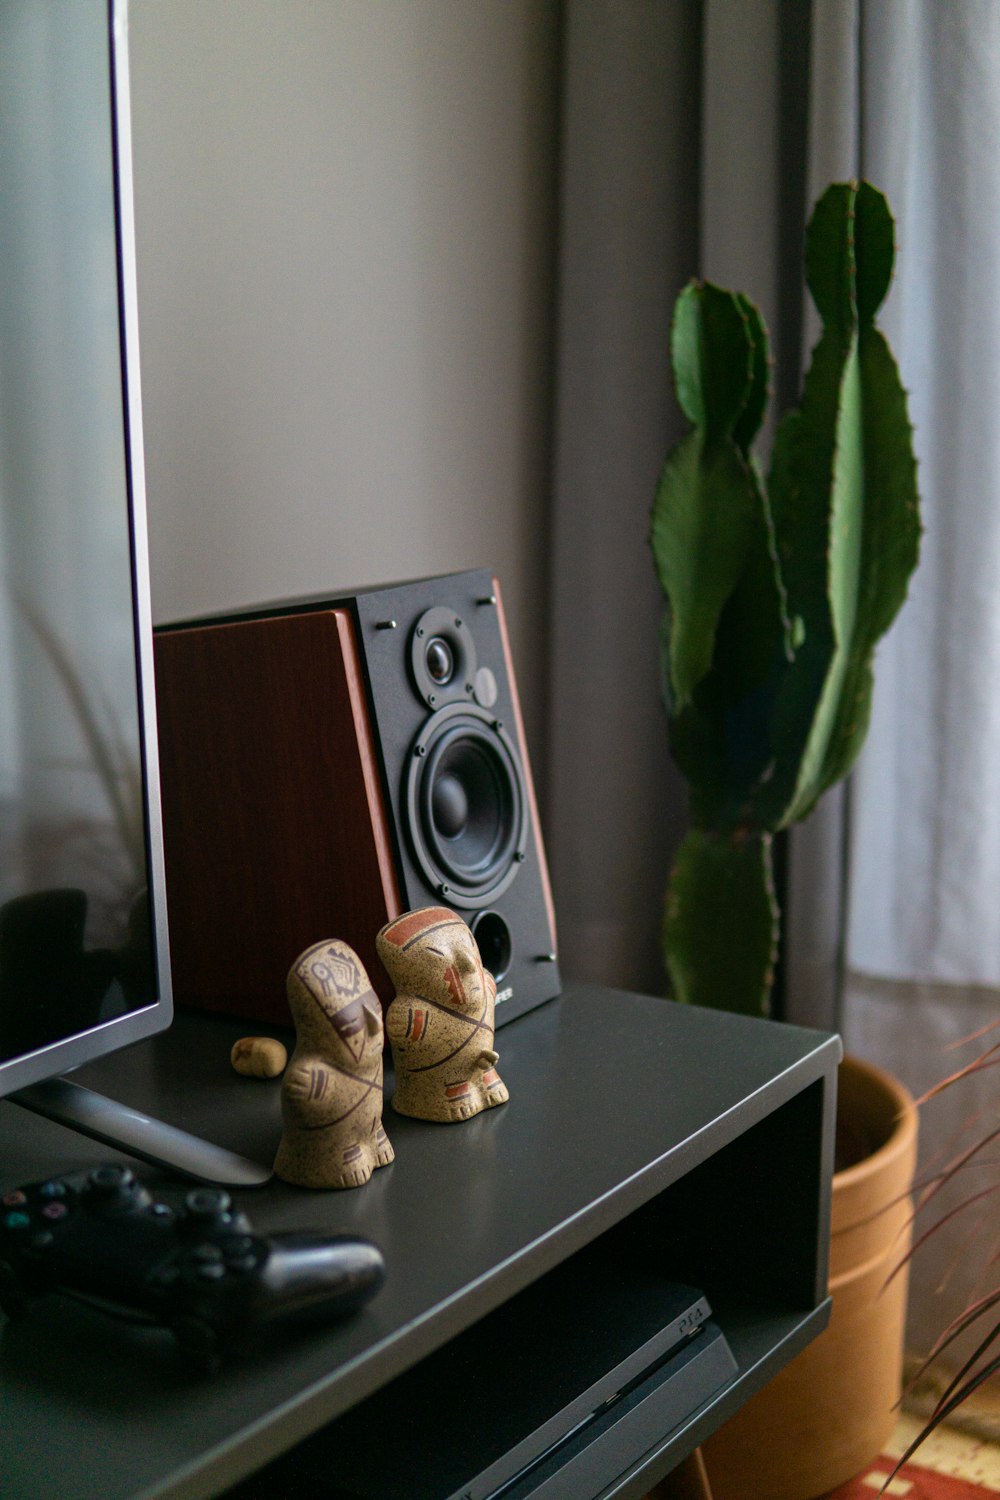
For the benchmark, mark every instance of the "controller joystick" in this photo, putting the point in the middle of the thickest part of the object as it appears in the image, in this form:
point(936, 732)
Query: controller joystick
point(112, 1189)
point(198, 1269)
point(209, 1211)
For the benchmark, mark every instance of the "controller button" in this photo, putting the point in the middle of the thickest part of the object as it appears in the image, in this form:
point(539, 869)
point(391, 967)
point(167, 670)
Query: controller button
point(17, 1221)
point(241, 1263)
point(14, 1199)
point(210, 1271)
point(206, 1254)
point(42, 1240)
point(166, 1276)
point(55, 1211)
point(53, 1189)
point(240, 1244)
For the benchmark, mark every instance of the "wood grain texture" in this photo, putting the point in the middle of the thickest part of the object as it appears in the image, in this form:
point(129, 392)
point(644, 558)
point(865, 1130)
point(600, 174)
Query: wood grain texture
point(522, 746)
point(275, 832)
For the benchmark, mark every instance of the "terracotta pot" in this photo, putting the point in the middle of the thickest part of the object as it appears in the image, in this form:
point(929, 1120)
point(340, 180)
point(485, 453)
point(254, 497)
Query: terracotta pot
point(829, 1413)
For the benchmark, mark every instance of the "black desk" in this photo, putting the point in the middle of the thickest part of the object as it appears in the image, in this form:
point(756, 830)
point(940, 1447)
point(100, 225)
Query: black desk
point(711, 1134)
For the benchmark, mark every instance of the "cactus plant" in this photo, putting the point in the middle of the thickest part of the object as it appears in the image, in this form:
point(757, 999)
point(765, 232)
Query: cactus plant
point(776, 592)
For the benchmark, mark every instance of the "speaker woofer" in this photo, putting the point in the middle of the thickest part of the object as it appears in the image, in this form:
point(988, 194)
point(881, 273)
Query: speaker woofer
point(466, 800)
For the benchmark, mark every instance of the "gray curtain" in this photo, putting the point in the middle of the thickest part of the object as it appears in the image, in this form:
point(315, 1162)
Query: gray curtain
point(629, 238)
point(696, 137)
point(678, 159)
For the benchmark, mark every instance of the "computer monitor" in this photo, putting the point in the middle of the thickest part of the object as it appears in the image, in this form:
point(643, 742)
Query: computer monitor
point(84, 960)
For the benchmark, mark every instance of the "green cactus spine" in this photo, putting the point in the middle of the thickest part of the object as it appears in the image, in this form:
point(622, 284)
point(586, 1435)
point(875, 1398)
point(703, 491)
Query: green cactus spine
point(776, 594)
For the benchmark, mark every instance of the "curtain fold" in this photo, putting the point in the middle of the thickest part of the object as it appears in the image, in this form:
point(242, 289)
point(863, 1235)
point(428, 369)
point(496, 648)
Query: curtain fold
point(683, 157)
point(628, 236)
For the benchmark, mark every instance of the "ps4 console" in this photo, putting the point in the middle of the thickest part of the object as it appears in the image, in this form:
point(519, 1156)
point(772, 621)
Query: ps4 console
point(608, 1364)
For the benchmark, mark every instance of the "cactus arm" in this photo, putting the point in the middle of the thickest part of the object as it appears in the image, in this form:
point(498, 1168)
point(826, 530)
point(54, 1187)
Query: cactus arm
point(844, 467)
point(702, 520)
point(890, 547)
point(720, 926)
point(712, 355)
point(802, 469)
point(724, 741)
point(829, 636)
point(714, 548)
point(755, 400)
point(710, 520)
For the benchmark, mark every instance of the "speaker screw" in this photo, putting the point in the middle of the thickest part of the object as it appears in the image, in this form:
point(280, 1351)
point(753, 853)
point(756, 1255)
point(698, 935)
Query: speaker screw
point(420, 632)
point(520, 857)
point(385, 625)
point(432, 699)
point(458, 623)
point(444, 890)
point(420, 750)
point(498, 725)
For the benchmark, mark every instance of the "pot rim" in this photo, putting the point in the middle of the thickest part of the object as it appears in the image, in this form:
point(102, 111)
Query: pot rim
point(904, 1131)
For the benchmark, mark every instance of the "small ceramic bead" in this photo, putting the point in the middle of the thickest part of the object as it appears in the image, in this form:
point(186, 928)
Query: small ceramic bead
point(331, 1094)
point(259, 1057)
point(440, 1024)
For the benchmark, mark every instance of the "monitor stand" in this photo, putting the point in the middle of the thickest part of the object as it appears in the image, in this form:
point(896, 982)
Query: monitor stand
point(136, 1134)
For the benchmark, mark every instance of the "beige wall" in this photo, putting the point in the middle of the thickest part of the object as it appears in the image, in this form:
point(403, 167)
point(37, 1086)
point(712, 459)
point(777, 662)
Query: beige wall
point(345, 224)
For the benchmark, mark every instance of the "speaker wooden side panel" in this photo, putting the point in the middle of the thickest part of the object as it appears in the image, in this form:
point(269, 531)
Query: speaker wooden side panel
point(275, 833)
point(522, 744)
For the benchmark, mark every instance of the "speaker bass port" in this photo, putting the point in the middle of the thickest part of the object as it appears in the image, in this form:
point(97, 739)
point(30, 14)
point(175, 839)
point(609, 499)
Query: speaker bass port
point(467, 806)
point(496, 947)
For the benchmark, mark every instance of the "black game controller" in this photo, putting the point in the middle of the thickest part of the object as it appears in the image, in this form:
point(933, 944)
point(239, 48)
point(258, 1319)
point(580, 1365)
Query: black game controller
point(196, 1268)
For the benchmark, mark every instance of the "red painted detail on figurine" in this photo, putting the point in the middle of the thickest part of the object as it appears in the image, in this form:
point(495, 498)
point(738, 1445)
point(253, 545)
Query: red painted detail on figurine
point(453, 980)
point(456, 1091)
point(416, 924)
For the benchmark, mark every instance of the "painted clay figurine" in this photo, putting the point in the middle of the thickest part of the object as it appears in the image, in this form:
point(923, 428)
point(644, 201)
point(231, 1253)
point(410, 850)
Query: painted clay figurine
point(441, 1021)
point(259, 1057)
point(331, 1094)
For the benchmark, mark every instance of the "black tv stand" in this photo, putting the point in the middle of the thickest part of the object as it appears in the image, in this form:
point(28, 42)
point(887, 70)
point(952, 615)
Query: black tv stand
point(139, 1135)
point(665, 1142)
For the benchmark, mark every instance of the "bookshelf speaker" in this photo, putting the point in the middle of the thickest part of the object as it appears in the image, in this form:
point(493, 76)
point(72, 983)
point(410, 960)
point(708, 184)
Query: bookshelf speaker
point(328, 764)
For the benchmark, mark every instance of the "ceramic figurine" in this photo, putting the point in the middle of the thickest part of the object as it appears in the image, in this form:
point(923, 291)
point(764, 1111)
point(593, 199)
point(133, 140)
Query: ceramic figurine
point(440, 1024)
point(331, 1094)
point(259, 1057)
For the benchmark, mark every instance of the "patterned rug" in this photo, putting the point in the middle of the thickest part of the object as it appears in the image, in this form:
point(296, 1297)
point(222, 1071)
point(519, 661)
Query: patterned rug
point(950, 1465)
